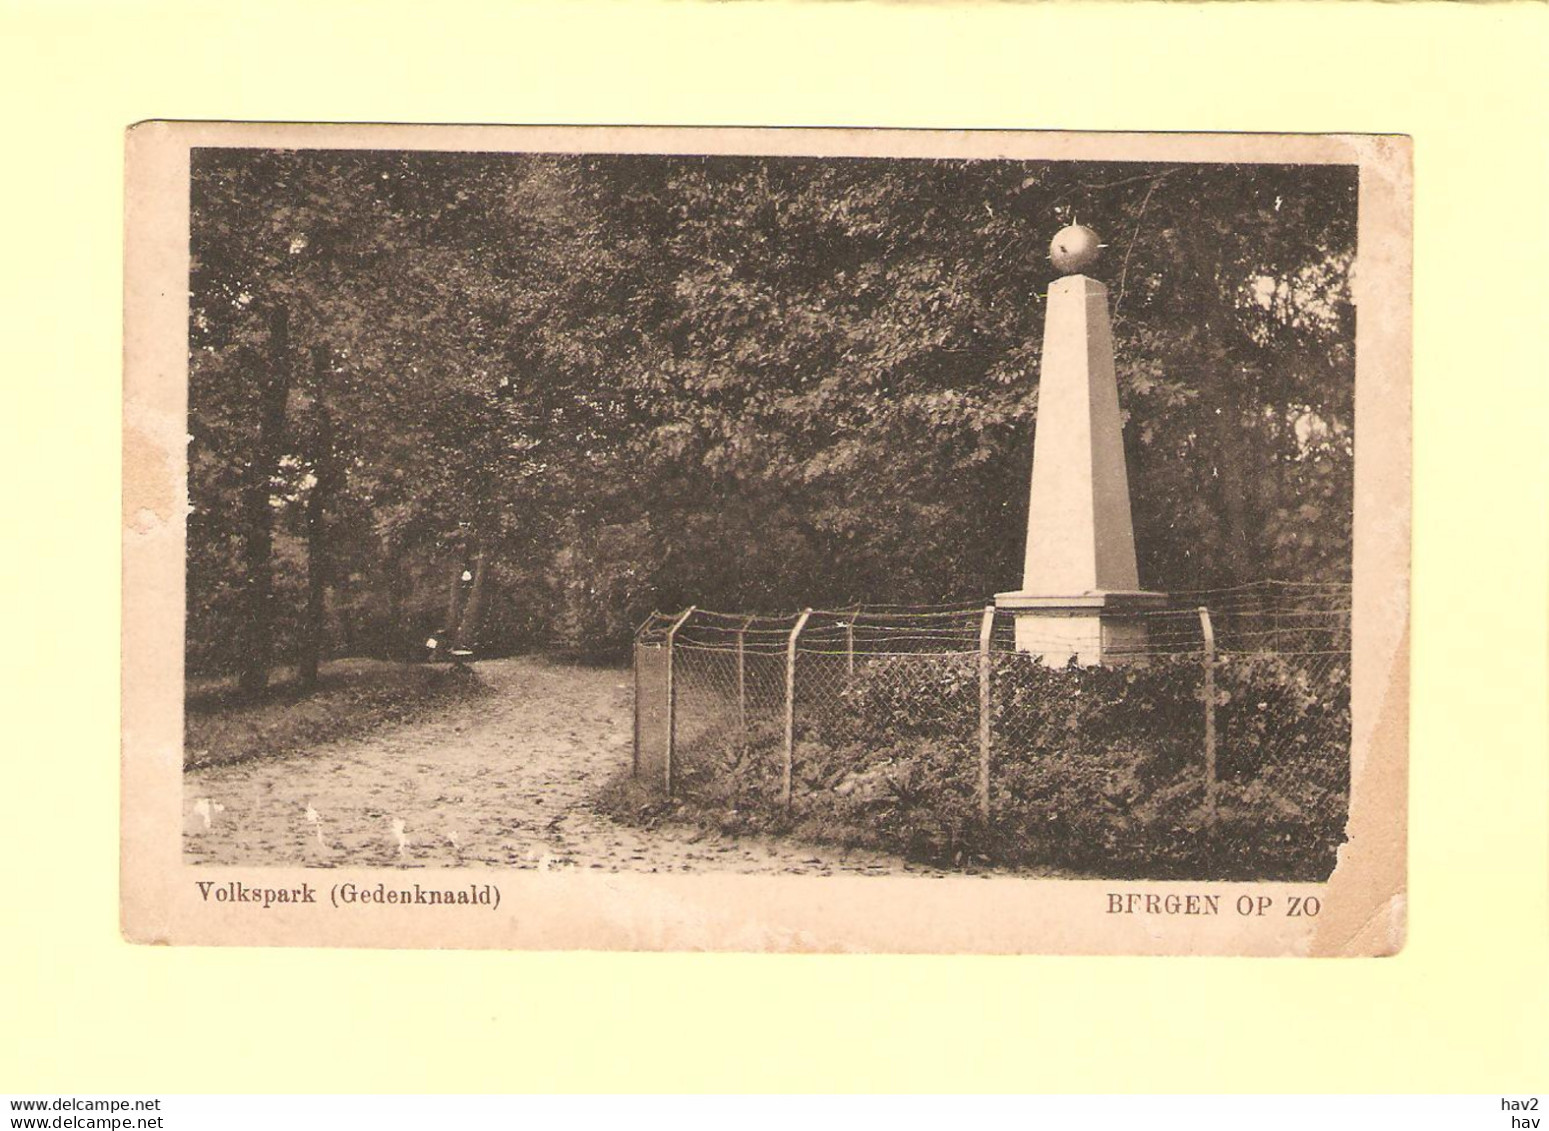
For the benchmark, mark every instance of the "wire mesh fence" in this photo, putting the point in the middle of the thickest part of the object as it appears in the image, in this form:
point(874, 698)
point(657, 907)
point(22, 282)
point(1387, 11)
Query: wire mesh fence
point(1221, 739)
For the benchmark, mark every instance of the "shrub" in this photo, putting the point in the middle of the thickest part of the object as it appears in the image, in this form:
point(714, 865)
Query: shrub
point(1094, 769)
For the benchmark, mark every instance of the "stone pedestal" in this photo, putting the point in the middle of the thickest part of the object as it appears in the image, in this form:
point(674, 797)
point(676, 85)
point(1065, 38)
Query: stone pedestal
point(1080, 594)
point(1093, 628)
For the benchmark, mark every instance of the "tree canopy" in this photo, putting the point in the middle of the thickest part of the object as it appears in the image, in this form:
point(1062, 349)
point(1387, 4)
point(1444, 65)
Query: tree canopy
point(624, 382)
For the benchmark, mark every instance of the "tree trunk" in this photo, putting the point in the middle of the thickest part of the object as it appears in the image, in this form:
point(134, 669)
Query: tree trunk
point(323, 475)
point(312, 629)
point(468, 627)
point(453, 605)
point(1238, 470)
point(1237, 474)
point(395, 644)
point(258, 516)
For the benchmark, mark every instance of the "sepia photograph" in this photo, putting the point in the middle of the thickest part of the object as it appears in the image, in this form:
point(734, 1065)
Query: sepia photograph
point(978, 514)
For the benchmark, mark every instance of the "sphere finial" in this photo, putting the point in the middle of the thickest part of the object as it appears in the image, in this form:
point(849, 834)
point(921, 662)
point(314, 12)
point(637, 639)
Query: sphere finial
point(1074, 249)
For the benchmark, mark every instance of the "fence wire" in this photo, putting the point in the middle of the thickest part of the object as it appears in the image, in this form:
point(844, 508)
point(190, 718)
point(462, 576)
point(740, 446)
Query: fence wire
point(1221, 727)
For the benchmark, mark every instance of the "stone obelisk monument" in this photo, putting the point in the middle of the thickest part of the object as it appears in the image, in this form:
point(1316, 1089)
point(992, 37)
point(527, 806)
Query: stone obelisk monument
point(1080, 594)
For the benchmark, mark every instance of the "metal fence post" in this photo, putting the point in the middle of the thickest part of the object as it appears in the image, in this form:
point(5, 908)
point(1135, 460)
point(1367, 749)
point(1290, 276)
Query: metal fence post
point(849, 644)
point(986, 630)
point(1210, 713)
point(672, 698)
point(786, 773)
point(634, 657)
point(742, 680)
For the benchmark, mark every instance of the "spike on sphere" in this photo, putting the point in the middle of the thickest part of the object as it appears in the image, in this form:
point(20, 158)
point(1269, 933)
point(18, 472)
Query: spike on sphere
point(1073, 249)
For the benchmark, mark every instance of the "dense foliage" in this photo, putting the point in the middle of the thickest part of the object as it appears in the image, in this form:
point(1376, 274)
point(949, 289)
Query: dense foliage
point(597, 385)
point(1096, 770)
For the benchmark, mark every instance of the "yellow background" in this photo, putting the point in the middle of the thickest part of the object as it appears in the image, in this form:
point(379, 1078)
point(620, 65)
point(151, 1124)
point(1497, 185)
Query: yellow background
point(1464, 1007)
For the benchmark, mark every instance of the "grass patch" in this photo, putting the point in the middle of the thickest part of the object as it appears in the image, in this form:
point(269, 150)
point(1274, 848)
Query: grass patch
point(353, 697)
point(643, 803)
point(634, 801)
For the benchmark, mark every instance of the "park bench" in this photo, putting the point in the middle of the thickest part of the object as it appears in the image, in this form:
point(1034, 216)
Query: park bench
point(459, 658)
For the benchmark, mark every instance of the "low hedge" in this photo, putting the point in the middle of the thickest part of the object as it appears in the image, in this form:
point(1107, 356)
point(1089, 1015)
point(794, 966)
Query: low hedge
point(1097, 770)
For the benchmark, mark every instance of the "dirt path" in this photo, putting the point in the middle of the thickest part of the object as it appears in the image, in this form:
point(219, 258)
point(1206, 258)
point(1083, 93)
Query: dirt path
point(503, 781)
